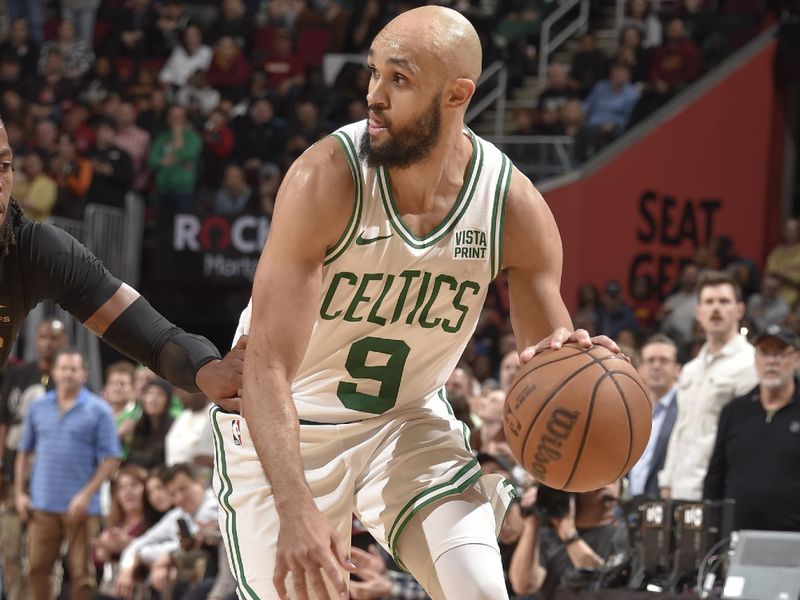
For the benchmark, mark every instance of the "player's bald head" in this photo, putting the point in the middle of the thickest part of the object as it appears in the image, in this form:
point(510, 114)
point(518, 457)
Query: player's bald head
point(435, 33)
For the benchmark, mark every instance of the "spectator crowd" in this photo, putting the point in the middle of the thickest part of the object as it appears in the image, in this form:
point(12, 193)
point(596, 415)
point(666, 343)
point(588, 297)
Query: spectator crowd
point(661, 48)
point(203, 106)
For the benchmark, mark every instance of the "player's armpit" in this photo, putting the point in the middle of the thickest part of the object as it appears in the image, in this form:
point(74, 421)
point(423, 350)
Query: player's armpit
point(532, 255)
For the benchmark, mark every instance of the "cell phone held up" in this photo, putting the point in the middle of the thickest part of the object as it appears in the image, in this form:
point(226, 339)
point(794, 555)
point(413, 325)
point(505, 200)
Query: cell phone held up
point(184, 530)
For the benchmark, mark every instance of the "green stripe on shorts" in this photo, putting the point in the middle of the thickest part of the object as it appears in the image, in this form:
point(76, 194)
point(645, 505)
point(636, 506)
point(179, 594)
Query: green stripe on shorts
point(226, 489)
point(465, 477)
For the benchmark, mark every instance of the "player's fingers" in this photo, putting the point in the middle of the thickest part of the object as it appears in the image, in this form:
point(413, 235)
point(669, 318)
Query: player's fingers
point(241, 343)
point(279, 579)
point(318, 584)
point(340, 553)
point(559, 336)
point(606, 342)
point(300, 583)
point(527, 355)
point(582, 337)
point(334, 574)
point(230, 404)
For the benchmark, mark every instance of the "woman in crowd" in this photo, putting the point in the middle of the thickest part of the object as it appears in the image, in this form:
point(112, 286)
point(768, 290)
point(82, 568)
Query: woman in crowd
point(147, 443)
point(127, 520)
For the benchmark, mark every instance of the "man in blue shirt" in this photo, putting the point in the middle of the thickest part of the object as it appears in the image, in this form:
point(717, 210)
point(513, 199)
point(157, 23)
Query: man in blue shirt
point(659, 368)
point(610, 104)
point(71, 432)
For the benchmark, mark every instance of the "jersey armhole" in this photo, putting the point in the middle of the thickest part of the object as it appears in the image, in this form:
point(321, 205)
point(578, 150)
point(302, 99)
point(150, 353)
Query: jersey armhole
point(499, 215)
point(346, 239)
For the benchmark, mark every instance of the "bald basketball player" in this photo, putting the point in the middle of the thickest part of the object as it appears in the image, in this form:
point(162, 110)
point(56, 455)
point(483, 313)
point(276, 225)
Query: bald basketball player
point(40, 262)
point(385, 238)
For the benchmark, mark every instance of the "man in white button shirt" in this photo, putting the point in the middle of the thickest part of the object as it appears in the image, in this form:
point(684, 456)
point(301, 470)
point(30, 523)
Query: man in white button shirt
point(659, 367)
point(723, 369)
point(189, 439)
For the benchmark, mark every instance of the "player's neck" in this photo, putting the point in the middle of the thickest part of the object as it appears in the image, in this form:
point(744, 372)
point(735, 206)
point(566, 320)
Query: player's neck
point(441, 172)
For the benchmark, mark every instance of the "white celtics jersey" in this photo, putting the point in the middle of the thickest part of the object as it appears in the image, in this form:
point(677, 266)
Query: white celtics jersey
point(397, 310)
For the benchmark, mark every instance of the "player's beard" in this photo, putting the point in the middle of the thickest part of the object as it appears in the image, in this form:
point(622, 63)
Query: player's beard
point(407, 146)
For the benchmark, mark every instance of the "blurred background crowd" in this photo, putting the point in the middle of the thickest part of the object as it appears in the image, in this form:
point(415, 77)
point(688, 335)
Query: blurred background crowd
point(201, 107)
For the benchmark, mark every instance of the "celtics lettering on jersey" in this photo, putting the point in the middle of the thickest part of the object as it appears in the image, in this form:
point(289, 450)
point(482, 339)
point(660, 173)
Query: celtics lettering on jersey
point(413, 293)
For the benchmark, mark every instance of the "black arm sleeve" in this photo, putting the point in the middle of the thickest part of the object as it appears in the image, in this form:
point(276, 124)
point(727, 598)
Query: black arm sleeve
point(714, 484)
point(65, 271)
point(147, 337)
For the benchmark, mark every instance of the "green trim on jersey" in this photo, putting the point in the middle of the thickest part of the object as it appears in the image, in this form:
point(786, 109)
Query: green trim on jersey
point(226, 489)
point(499, 216)
point(355, 217)
point(465, 477)
point(451, 219)
point(509, 488)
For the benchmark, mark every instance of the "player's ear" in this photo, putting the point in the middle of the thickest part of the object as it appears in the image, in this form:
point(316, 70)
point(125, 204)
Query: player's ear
point(460, 92)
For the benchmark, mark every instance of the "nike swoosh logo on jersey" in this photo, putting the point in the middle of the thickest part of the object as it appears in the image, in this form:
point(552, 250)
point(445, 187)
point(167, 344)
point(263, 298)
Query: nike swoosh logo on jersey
point(362, 241)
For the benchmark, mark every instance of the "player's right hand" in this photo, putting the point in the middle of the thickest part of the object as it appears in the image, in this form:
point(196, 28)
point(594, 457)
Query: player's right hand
point(308, 546)
point(221, 380)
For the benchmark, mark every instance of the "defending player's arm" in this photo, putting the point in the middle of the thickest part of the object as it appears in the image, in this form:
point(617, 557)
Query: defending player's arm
point(68, 273)
point(311, 212)
point(533, 258)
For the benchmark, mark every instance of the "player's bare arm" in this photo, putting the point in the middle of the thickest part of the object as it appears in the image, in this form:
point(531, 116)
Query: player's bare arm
point(533, 257)
point(312, 209)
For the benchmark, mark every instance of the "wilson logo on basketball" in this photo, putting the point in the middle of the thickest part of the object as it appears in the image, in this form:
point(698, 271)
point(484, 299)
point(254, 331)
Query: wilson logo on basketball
point(559, 428)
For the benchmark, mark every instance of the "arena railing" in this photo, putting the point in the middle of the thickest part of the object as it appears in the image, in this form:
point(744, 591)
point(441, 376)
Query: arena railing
point(550, 42)
point(495, 75)
point(538, 156)
point(115, 236)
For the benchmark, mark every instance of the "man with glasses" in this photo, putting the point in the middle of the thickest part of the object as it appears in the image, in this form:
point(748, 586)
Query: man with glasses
point(659, 367)
point(757, 451)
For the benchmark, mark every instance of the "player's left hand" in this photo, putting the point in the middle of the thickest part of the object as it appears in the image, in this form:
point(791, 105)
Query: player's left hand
point(562, 336)
point(221, 380)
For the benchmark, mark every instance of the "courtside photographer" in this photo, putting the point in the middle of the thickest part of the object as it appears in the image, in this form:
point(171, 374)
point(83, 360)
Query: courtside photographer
point(566, 540)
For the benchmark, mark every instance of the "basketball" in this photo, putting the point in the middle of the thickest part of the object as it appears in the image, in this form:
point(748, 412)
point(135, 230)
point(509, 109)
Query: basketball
point(577, 418)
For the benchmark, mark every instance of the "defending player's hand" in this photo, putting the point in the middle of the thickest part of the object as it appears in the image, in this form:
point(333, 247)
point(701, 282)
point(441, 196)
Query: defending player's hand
point(308, 545)
point(562, 336)
point(221, 380)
